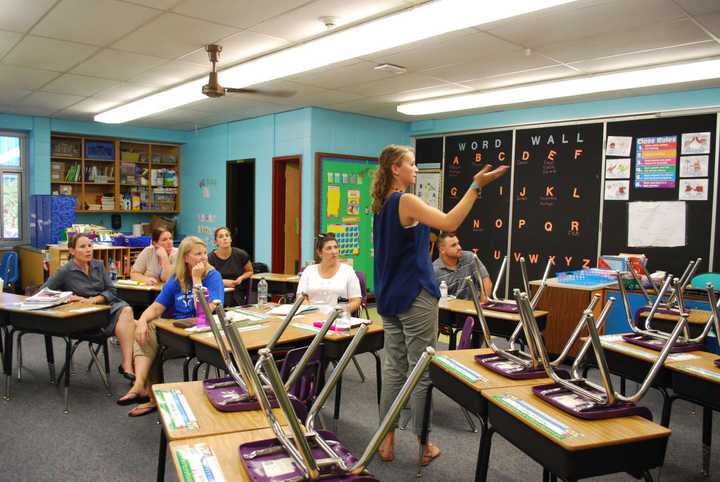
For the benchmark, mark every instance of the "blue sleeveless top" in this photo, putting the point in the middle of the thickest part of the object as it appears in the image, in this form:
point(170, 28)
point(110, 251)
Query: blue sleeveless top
point(402, 260)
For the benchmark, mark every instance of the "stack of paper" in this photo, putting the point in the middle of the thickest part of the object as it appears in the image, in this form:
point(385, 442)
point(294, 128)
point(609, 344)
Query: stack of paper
point(46, 298)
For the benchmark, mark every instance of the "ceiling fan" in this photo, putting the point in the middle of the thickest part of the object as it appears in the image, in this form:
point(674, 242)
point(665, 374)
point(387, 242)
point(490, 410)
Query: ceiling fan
point(214, 89)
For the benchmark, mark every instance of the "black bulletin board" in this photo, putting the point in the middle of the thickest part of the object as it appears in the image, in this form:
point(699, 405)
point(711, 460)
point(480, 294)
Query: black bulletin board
point(485, 229)
point(429, 150)
point(557, 194)
point(698, 213)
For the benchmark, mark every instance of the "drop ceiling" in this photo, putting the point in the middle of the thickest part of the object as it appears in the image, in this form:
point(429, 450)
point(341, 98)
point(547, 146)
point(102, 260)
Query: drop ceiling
point(74, 58)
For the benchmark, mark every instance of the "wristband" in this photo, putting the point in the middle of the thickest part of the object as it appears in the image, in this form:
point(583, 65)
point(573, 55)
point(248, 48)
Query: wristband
point(477, 188)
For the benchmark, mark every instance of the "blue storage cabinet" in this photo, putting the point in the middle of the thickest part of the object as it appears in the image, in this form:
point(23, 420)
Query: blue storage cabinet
point(617, 323)
point(49, 216)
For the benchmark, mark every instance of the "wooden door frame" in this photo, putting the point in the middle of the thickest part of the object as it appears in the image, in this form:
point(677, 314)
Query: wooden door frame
point(319, 157)
point(278, 209)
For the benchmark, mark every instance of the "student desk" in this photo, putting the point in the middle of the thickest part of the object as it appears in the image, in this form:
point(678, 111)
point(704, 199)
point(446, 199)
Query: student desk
point(209, 420)
point(666, 322)
point(453, 312)
point(176, 341)
point(698, 381)
point(572, 448)
point(471, 395)
point(225, 449)
point(63, 321)
point(278, 283)
point(142, 296)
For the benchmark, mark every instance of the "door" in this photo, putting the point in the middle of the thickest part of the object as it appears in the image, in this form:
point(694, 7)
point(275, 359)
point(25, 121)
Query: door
point(240, 204)
point(287, 207)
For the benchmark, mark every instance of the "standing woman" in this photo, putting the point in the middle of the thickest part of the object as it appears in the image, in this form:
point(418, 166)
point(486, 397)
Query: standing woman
point(155, 264)
point(233, 263)
point(87, 279)
point(405, 287)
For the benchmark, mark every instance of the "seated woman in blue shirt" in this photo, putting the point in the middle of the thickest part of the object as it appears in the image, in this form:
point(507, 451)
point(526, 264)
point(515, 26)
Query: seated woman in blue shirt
point(192, 268)
point(90, 283)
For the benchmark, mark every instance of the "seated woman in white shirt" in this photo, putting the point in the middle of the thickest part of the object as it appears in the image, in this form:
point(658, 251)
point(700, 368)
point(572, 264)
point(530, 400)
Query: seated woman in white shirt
point(156, 263)
point(330, 279)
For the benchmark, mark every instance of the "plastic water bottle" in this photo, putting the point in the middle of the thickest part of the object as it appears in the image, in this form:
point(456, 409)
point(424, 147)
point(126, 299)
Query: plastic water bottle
point(113, 270)
point(200, 318)
point(443, 291)
point(262, 291)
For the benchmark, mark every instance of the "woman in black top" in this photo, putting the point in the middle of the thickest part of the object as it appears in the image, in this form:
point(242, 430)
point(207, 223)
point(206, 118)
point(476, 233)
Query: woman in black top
point(233, 263)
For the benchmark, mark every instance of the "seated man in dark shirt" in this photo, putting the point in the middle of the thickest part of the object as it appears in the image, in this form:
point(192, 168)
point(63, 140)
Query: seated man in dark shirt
point(454, 265)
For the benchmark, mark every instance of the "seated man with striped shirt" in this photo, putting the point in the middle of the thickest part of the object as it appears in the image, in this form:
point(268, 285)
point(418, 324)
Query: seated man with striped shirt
point(454, 265)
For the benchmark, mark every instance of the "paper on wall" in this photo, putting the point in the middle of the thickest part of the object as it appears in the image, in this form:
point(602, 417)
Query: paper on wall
point(333, 201)
point(617, 190)
point(656, 224)
point(694, 166)
point(693, 190)
point(695, 143)
point(618, 146)
point(617, 168)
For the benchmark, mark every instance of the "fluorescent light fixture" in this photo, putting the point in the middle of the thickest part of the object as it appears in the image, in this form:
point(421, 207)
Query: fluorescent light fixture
point(407, 26)
point(558, 89)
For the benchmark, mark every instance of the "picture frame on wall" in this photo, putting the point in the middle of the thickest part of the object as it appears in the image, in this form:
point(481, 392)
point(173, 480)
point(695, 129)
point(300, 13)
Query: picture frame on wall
point(428, 187)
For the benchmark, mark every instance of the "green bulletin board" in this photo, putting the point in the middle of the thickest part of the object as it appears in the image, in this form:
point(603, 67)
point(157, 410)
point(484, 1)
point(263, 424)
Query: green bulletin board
point(344, 207)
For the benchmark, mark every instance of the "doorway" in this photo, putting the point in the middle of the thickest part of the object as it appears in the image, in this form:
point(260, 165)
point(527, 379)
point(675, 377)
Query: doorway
point(286, 214)
point(240, 204)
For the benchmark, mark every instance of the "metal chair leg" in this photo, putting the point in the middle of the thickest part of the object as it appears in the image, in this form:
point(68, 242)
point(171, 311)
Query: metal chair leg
point(19, 356)
point(470, 421)
point(96, 351)
point(359, 370)
point(96, 362)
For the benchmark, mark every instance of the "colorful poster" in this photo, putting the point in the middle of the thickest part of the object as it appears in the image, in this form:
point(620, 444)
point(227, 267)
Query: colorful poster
point(694, 166)
point(693, 190)
point(618, 146)
point(617, 190)
point(333, 201)
point(617, 168)
point(655, 162)
point(348, 238)
point(696, 143)
point(353, 202)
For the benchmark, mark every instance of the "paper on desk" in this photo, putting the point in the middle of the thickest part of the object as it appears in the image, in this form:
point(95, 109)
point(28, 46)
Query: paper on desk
point(656, 224)
point(283, 310)
point(198, 464)
point(176, 410)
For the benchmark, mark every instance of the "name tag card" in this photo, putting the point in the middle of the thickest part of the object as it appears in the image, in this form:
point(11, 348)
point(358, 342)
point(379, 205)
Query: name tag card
point(176, 410)
point(536, 417)
point(459, 369)
point(198, 464)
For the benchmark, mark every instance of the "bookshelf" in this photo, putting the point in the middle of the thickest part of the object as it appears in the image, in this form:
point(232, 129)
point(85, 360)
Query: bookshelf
point(115, 175)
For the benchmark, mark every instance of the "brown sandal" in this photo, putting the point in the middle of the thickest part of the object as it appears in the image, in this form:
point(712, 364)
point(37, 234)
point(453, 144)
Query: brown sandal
point(142, 410)
point(430, 453)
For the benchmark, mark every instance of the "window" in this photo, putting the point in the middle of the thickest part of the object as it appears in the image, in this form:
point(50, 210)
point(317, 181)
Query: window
point(12, 164)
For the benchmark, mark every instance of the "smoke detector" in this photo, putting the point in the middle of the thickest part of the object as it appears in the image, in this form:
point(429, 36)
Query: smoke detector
point(391, 68)
point(329, 22)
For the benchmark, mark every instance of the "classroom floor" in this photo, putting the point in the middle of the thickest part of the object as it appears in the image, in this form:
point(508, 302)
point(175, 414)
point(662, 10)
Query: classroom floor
point(98, 442)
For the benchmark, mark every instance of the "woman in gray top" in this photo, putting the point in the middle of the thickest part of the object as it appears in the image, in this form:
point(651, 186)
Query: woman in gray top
point(87, 279)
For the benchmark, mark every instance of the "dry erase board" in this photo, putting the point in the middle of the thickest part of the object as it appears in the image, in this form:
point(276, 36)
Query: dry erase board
point(485, 230)
point(556, 198)
point(666, 159)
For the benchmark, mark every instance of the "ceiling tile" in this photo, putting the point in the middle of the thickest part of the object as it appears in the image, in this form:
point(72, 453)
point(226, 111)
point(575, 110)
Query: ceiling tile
point(20, 15)
point(640, 59)
point(238, 13)
point(89, 107)
point(26, 110)
point(399, 83)
point(487, 67)
point(304, 94)
point(426, 93)
point(46, 100)
point(337, 76)
point(238, 47)
point(7, 40)
point(96, 22)
point(304, 22)
point(125, 92)
point(12, 96)
point(570, 22)
point(48, 54)
point(699, 7)
point(78, 85)
point(172, 73)
point(12, 77)
point(171, 36)
point(667, 34)
point(711, 22)
point(523, 77)
point(158, 4)
point(114, 64)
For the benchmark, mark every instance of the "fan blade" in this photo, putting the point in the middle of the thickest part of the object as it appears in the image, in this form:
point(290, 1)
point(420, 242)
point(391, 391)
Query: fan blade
point(267, 93)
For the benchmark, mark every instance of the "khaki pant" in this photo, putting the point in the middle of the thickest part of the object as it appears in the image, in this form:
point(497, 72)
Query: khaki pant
point(150, 350)
point(406, 337)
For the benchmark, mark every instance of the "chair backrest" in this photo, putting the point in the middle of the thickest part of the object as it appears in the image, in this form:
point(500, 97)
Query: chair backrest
point(701, 280)
point(308, 385)
point(9, 271)
point(466, 337)
point(363, 286)
point(260, 267)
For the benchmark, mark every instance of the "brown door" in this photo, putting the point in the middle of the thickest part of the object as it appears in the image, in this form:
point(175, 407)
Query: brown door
point(287, 219)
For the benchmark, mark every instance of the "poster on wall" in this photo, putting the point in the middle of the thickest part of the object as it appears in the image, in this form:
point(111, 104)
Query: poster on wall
point(695, 143)
point(617, 190)
point(618, 146)
point(617, 168)
point(485, 230)
point(656, 162)
point(558, 173)
point(693, 190)
point(693, 166)
point(427, 186)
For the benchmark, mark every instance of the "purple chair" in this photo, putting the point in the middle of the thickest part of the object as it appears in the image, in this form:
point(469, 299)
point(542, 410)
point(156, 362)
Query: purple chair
point(464, 344)
point(308, 385)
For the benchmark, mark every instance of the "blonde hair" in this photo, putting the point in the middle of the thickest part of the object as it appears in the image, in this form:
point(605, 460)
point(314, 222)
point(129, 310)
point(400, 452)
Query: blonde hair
point(182, 274)
point(392, 155)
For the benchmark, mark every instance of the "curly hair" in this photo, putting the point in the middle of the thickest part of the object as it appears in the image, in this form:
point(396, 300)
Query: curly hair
point(391, 155)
